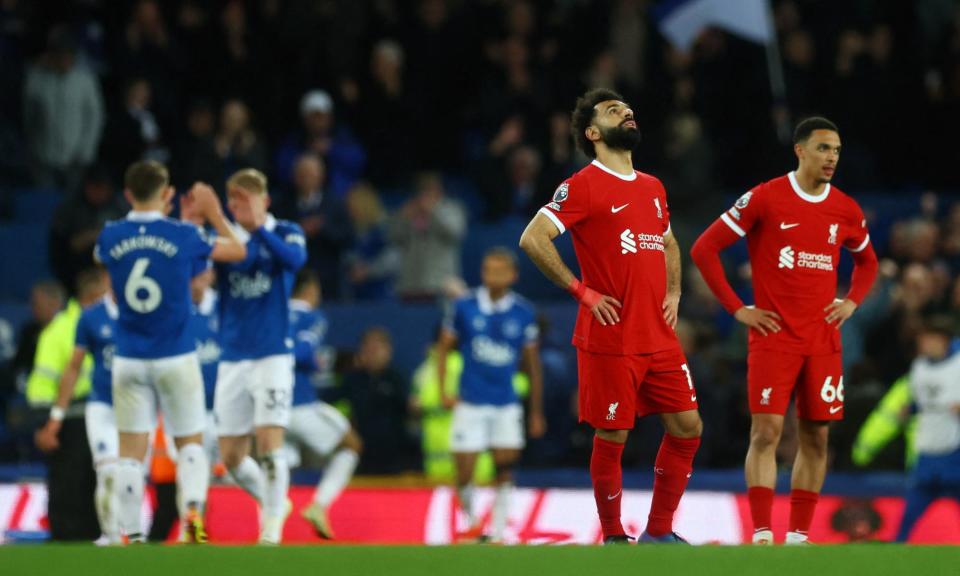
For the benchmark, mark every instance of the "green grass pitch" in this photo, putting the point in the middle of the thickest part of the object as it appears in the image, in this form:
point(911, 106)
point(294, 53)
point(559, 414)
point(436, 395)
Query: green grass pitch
point(869, 559)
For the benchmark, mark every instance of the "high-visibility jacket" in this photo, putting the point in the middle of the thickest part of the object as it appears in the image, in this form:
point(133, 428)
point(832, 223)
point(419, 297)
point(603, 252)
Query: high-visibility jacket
point(54, 350)
point(885, 423)
point(436, 423)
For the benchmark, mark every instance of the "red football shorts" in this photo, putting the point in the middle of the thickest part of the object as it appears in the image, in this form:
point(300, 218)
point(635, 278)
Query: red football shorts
point(818, 381)
point(615, 390)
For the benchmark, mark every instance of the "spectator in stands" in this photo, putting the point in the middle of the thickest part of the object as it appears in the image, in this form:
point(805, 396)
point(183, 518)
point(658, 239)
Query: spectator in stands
point(78, 221)
point(236, 144)
point(62, 114)
point(372, 262)
point(194, 159)
point(428, 231)
point(378, 397)
point(133, 132)
point(321, 135)
point(324, 221)
point(386, 115)
point(509, 175)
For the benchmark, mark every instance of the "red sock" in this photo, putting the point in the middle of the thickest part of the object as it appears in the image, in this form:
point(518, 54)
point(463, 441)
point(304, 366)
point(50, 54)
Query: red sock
point(672, 471)
point(761, 506)
point(802, 505)
point(607, 479)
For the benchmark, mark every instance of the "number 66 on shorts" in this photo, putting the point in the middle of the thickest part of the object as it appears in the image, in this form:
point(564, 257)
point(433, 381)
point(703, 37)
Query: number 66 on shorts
point(817, 381)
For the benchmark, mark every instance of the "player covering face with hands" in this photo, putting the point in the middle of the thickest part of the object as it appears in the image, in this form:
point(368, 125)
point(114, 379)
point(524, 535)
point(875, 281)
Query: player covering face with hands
point(629, 360)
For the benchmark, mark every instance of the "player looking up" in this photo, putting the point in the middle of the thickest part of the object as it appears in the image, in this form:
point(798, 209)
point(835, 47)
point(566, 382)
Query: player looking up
point(629, 360)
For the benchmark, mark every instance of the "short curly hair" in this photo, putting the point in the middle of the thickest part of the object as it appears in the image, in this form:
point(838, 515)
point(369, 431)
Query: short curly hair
point(583, 114)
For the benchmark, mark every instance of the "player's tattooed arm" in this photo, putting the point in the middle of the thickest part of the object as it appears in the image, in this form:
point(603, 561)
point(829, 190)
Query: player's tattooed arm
point(671, 303)
point(537, 242)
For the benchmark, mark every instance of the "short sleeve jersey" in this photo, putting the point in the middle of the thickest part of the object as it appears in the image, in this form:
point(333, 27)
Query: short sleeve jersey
point(794, 241)
point(491, 337)
point(618, 224)
point(95, 333)
point(151, 260)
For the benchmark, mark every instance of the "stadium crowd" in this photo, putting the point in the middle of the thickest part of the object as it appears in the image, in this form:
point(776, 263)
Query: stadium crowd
point(388, 129)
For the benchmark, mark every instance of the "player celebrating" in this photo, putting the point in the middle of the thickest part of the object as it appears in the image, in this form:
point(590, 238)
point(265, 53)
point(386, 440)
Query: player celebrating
point(629, 359)
point(255, 376)
point(315, 424)
point(494, 329)
point(150, 259)
point(95, 335)
point(795, 225)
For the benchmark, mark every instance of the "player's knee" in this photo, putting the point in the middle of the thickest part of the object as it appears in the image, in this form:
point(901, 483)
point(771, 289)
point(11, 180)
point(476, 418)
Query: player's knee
point(764, 435)
point(352, 441)
point(231, 459)
point(618, 436)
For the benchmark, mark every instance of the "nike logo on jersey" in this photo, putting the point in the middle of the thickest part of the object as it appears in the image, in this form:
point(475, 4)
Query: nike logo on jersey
point(612, 496)
point(835, 409)
point(616, 209)
point(693, 398)
point(785, 226)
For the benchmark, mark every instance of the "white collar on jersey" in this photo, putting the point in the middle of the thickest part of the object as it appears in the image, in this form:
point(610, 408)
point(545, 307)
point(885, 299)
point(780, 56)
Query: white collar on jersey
point(145, 216)
point(488, 306)
point(300, 305)
point(207, 302)
point(808, 197)
point(271, 223)
point(598, 164)
point(111, 307)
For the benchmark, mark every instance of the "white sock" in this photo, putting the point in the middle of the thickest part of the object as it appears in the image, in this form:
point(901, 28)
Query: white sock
point(465, 495)
point(276, 475)
point(248, 476)
point(193, 479)
point(501, 510)
point(105, 499)
point(128, 487)
point(338, 473)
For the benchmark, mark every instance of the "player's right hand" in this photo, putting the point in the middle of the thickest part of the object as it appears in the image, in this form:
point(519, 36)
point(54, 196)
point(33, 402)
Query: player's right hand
point(604, 308)
point(763, 321)
point(46, 437)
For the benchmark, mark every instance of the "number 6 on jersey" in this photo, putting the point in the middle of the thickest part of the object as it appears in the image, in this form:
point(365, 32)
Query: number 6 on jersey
point(137, 281)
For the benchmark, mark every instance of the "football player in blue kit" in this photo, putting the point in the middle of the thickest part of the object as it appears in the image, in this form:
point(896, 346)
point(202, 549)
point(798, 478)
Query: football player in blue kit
point(151, 260)
point(495, 330)
point(255, 375)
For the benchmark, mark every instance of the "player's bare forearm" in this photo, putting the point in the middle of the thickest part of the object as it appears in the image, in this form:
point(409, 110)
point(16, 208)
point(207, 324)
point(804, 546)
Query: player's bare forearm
point(534, 369)
point(446, 342)
point(68, 380)
point(672, 257)
point(229, 248)
point(537, 242)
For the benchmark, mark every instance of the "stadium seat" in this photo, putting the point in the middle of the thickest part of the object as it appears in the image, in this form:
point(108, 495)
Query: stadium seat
point(23, 258)
point(36, 205)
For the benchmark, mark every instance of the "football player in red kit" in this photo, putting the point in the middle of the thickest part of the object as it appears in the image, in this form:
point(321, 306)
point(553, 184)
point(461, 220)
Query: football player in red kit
point(629, 360)
point(795, 226)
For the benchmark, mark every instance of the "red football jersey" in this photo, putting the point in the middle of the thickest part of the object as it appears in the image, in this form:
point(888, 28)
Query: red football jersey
point(794, 242)
point(618, 223)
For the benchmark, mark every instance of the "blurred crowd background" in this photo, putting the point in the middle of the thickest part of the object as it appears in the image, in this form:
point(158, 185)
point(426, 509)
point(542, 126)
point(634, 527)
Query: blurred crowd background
point(408, 136)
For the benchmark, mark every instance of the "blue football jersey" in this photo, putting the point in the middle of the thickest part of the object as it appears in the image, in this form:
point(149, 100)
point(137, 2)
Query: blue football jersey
point(313, 368)
point(491, 336)
point(254, 294)
point(205, 325)
point(151, 259)
point(95, 332)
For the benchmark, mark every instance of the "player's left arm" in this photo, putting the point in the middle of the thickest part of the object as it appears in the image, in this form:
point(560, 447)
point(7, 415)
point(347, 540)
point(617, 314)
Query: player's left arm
point(671, 303)
point(865, 266)
point(532, 365)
